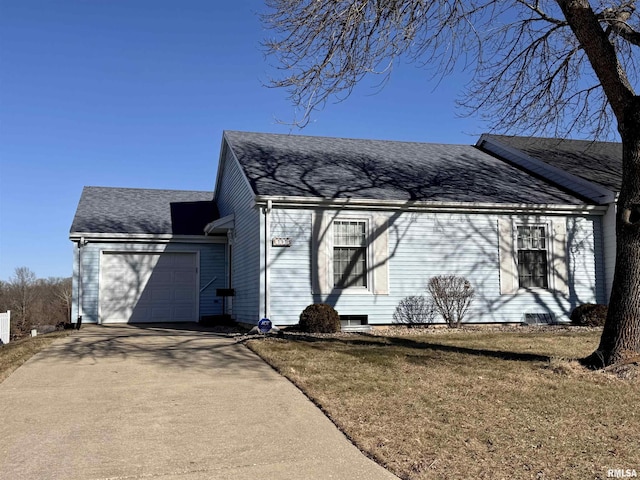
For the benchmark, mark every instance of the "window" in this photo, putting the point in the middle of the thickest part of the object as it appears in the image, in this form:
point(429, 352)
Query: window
point(533, 254)
point(349, 254)
point(354, 320)
point(532, 257)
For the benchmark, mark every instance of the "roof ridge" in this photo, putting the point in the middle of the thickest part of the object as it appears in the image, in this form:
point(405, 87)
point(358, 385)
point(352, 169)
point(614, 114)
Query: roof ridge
point(356, 139)
point(141, 189)
point(558, 139)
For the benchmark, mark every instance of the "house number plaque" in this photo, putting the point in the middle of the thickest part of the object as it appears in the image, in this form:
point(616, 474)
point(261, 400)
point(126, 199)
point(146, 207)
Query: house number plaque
point(280, 242)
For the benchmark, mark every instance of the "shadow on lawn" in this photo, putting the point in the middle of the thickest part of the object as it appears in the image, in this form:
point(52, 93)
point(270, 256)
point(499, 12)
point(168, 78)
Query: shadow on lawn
point(366, 340)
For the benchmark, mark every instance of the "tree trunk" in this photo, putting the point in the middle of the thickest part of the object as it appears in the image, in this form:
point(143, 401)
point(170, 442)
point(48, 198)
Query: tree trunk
point(621, 335)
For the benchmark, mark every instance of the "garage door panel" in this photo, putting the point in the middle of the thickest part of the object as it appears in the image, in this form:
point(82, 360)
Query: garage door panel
point(162, 294)
point(183, 312)
point(163, 315)
point(148, 287)
point(183, 277)
point(182, 295)
point(139, 315)
point(163, 277)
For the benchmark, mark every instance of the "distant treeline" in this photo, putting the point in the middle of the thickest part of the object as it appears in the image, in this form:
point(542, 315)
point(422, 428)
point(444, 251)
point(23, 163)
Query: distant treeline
point(44, 304)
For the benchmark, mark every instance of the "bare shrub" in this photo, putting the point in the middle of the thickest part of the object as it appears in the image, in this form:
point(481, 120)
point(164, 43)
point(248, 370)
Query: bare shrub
point(414, 310)
point(589, 315)
point(451, 296)
point(319, 318)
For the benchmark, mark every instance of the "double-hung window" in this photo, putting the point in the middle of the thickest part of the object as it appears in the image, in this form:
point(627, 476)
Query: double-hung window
point(532, 257)
point(349, 253)
point(533, 254)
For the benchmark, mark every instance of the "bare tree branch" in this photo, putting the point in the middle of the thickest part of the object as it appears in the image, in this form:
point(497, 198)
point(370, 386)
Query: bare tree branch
point(531, 71)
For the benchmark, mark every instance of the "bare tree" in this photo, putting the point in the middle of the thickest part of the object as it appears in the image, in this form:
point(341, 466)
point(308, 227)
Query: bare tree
point(21, 298)
point(540, 66)
point(34, 302)
point(62, 288)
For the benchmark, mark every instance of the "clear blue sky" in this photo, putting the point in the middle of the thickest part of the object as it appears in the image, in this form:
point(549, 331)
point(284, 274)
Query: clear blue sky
point(136, 93)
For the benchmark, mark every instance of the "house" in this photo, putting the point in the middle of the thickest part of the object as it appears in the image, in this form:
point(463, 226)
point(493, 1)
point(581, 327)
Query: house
point(592, 170)
point(359, 224)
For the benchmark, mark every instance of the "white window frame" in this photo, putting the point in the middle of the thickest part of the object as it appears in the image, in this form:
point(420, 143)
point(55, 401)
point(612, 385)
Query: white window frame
point(368, 256)
point(547, 249)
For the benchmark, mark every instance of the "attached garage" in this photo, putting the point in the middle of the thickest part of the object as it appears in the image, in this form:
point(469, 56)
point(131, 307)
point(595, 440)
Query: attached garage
point(149, 287)
point(142, 256)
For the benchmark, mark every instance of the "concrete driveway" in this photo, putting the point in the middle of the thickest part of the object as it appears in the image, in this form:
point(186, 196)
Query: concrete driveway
point(164, 403)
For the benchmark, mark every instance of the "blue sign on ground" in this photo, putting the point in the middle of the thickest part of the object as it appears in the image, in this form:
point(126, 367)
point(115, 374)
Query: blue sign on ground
point(264, 325)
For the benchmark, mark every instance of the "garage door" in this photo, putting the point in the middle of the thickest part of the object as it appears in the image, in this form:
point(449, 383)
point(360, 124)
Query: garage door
point(148, 287)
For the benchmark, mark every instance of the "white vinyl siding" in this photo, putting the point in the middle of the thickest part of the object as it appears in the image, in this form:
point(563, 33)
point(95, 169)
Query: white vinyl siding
point(609, 247)
point(234, 196)
point(418, 246)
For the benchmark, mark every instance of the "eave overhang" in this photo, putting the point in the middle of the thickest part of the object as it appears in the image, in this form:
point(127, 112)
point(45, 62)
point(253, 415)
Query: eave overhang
point(143, 238)
point(427, 206)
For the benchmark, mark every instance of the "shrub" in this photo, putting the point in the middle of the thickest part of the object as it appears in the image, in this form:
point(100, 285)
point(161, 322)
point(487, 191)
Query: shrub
point(319, 318)
point(589, 315)
point(414, 310)
point(451, 296)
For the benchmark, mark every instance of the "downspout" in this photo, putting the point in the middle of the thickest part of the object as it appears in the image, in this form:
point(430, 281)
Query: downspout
point(267, 255)
point(81, 243)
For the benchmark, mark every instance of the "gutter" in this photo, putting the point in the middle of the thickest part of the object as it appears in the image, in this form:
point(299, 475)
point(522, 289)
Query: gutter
point(426, 206)
point(144, 237)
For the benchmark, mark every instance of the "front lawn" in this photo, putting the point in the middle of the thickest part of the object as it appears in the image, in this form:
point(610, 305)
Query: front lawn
point(15, 353)
point(470, 404)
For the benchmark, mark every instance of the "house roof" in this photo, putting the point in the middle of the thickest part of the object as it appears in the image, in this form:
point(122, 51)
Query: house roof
point(143, 211)
point(596, 162)
point(341, 168)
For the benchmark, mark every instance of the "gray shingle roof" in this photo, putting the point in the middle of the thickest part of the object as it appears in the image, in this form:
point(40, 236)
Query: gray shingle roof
point(597, 162)
point(143, 211)
point(338, 168)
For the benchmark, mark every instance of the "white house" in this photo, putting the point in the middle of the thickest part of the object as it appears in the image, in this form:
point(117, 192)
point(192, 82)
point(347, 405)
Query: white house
point(358, 224)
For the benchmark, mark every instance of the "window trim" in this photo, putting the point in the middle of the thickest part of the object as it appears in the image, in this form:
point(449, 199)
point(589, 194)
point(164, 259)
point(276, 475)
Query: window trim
point(377, 251)
point(557, 258)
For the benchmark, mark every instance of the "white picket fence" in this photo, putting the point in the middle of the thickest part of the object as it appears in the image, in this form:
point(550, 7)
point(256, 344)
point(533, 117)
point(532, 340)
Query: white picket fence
point(5, 318)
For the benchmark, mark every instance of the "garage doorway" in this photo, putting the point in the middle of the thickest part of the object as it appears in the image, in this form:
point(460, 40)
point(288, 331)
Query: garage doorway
point(140, 287)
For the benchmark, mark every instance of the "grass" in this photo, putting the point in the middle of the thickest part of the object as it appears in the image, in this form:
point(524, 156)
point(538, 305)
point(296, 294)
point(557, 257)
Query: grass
point(470, 404)
point(14, 354)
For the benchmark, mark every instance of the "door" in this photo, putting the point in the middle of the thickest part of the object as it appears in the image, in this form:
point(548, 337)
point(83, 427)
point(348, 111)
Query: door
point(149, 287)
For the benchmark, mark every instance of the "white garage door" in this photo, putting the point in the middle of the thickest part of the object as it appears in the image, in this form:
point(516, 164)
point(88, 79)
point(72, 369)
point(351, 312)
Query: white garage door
point(148, 287)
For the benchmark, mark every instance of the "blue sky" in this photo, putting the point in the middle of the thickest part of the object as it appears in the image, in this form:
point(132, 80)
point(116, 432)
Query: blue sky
point(136, 93)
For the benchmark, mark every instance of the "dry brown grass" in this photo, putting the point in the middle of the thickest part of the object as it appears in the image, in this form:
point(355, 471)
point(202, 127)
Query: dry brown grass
point(14, 354)
point(470, 404)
